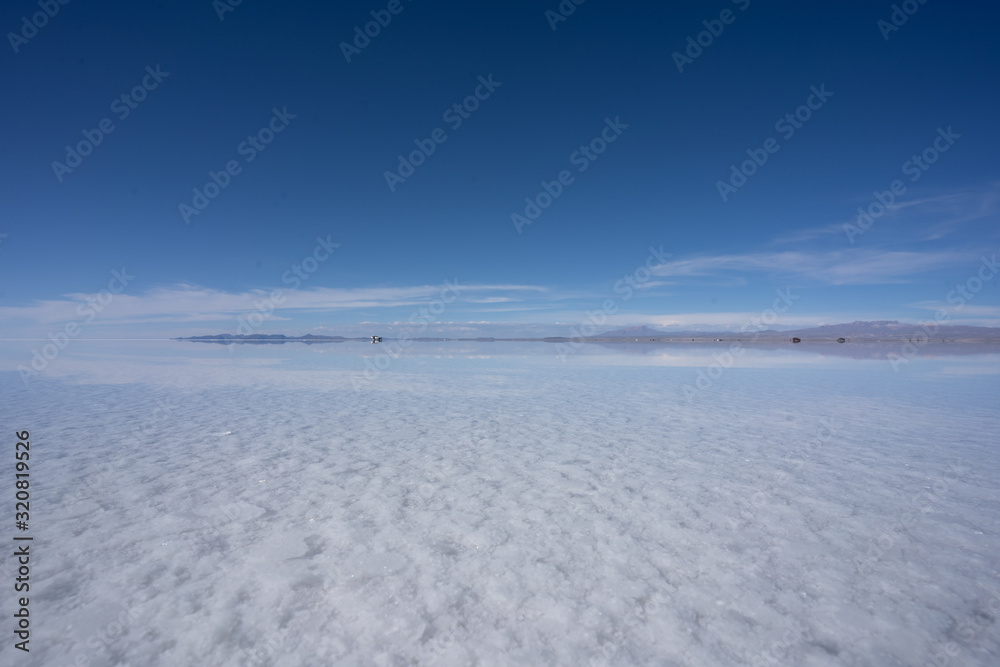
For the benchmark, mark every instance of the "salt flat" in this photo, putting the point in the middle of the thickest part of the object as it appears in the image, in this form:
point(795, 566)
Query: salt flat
point(473, 504)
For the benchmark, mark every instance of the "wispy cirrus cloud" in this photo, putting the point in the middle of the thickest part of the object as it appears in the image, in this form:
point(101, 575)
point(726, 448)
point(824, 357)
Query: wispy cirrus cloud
point(811, 234)
point(928, 218)
point(191, 303)
point(954, 309)
point(963, 313)
point(842, 267)
point(718, 321)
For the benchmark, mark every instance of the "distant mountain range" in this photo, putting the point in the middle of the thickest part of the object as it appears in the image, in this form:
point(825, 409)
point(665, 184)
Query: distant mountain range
point(875, 330)
point(855, 331)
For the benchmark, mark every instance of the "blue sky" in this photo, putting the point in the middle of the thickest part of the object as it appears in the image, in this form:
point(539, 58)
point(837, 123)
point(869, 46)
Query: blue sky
point(645, 142)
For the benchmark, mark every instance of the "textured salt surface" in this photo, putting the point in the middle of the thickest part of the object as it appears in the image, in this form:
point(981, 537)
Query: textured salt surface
point(230, 508)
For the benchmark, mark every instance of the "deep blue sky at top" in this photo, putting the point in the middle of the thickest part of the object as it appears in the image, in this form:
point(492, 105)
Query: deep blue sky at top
point(656, 185)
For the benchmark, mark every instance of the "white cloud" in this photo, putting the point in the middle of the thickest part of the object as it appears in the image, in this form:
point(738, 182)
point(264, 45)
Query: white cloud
point(926, 219)
point(967, 314)
point(956, 309)
point(842, 267)
point(721, 321)
point(651, 283)
point(810, 234)
point(189, 303)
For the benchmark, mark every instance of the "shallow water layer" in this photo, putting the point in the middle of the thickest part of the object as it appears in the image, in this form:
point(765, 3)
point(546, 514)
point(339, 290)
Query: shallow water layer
point(496, 504)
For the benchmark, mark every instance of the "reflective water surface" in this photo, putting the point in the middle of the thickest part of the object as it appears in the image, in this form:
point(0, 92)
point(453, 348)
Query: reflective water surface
point(497, 503)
